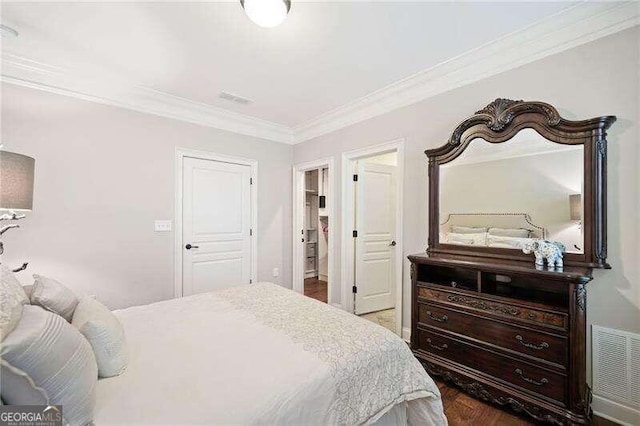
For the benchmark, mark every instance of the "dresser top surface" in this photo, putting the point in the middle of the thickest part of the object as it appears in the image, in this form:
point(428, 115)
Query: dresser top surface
point(568, 273)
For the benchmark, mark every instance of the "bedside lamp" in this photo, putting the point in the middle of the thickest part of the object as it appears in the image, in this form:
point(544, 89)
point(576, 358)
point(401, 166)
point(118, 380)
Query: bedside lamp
point(16, 189)
point(16, 184)
point(575, 208)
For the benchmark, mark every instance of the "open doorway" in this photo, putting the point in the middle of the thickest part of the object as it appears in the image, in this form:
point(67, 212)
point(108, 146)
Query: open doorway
point(313, 239)
point(316, 234)
point(372, 234)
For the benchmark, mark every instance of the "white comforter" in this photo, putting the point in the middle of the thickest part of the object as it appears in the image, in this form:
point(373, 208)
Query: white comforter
point(261, 354)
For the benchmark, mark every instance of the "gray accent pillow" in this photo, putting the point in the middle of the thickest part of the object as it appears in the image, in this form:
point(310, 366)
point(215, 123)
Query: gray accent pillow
point(45, 360)
point(457, 229)
point(12, 301)
point(53, 296)
point(105, 333)
point(505, 232)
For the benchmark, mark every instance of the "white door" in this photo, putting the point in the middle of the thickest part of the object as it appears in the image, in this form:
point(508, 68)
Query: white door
point(216, 227)
point(375, 245)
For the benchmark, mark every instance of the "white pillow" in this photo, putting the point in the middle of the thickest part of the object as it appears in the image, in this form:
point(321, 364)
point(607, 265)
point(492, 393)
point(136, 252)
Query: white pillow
point(45, 360)
point(12, 301)
point(105, 333)
point(505, 232)
point(53, 296)
point(507, 242)
point(467, 239)
point(457, 229)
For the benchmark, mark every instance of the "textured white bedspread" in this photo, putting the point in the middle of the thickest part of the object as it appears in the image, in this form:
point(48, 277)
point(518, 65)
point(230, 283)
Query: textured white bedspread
point(261, 354)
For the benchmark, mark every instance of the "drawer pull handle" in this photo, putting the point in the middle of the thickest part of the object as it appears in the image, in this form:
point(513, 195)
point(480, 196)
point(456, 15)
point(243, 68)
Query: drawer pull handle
point(542, 381)
point(543, 345)
point(440, 348)
point(443, 318)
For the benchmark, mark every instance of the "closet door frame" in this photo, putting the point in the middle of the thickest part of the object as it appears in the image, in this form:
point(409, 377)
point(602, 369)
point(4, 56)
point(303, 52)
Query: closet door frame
point(347, 259)
point(298, 198)
point(180, 154)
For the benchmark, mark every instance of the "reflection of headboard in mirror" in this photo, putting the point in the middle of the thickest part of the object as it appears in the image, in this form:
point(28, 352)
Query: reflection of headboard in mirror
point(493, 220)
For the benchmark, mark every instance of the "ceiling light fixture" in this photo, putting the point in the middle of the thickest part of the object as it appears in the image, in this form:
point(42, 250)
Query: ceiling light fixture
point(266, 13)
point(7, 31)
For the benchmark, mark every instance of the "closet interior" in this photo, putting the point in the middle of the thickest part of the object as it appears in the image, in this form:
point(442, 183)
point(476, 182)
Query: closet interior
point(316, 233)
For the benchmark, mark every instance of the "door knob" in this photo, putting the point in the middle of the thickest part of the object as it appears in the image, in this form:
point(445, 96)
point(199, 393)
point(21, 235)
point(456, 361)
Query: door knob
point(392, 244)
point(189, 246)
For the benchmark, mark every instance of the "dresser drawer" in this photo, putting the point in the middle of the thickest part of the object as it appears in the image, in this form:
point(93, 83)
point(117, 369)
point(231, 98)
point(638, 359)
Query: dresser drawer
point(534, 379)
point(506, 310)
point(533, 343)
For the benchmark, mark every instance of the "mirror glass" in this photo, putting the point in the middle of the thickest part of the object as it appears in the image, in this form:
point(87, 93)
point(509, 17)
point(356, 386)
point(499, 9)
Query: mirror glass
point(500, 195)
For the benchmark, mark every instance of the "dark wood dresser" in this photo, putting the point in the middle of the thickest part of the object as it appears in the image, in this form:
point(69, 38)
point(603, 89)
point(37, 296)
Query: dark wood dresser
point(485, 317)
point(504, 331)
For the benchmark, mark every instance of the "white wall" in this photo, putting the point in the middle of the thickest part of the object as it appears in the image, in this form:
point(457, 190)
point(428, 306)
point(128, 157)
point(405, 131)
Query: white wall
point(103, 175)
point(595, 79)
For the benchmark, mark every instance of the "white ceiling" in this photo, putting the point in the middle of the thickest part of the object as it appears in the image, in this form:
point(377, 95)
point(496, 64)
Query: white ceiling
point(324, 56)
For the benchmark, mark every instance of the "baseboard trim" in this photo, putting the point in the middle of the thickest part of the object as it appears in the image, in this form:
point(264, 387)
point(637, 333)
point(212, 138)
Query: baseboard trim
point(406, 334)
point(337, 305)
point(615, 411)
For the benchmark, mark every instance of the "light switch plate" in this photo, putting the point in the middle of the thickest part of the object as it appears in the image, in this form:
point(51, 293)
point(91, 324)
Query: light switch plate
point(163, 226)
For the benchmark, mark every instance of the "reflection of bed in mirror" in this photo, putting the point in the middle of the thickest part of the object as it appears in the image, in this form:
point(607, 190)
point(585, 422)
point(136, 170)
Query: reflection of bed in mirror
point(498, 230)
point(527, 174)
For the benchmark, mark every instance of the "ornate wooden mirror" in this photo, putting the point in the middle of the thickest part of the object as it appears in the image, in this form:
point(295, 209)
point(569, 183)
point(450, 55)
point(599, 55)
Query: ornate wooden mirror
point(514, 171)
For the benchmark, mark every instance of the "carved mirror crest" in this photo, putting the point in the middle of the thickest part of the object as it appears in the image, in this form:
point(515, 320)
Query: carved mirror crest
point(515, 171)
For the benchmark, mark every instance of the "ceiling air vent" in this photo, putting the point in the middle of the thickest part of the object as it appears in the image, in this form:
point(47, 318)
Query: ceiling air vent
point(235, 98)
point(616, 365)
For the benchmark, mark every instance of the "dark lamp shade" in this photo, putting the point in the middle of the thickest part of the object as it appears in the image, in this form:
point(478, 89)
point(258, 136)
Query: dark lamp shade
point(16, 181)
point(575, 206)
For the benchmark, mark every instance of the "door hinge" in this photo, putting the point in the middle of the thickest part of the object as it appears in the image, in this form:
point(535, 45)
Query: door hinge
point(250, 181)
point(354, 289)
point(250, 281)
point(355, 234)
point(250, 232)
point(355, 178)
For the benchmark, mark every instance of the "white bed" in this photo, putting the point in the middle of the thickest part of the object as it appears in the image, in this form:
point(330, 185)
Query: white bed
point(261, 354)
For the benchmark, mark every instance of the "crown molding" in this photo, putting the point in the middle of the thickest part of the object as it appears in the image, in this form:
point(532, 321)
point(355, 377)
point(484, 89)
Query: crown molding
point(109, 90)
point(570, 28)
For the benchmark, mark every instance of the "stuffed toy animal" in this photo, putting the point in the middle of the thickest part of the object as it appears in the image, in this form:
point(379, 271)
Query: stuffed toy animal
point(551, 251)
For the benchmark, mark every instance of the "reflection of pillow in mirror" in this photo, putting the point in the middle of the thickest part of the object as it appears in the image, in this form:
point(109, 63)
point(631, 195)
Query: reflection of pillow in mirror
point(507, 242)
point(503, 232)
point(457, 229)
point(467, 239)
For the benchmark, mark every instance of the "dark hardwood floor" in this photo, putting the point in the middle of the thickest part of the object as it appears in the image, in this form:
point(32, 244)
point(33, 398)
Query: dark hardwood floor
point(464, 410)
point(315, 289)
point(461, 409)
